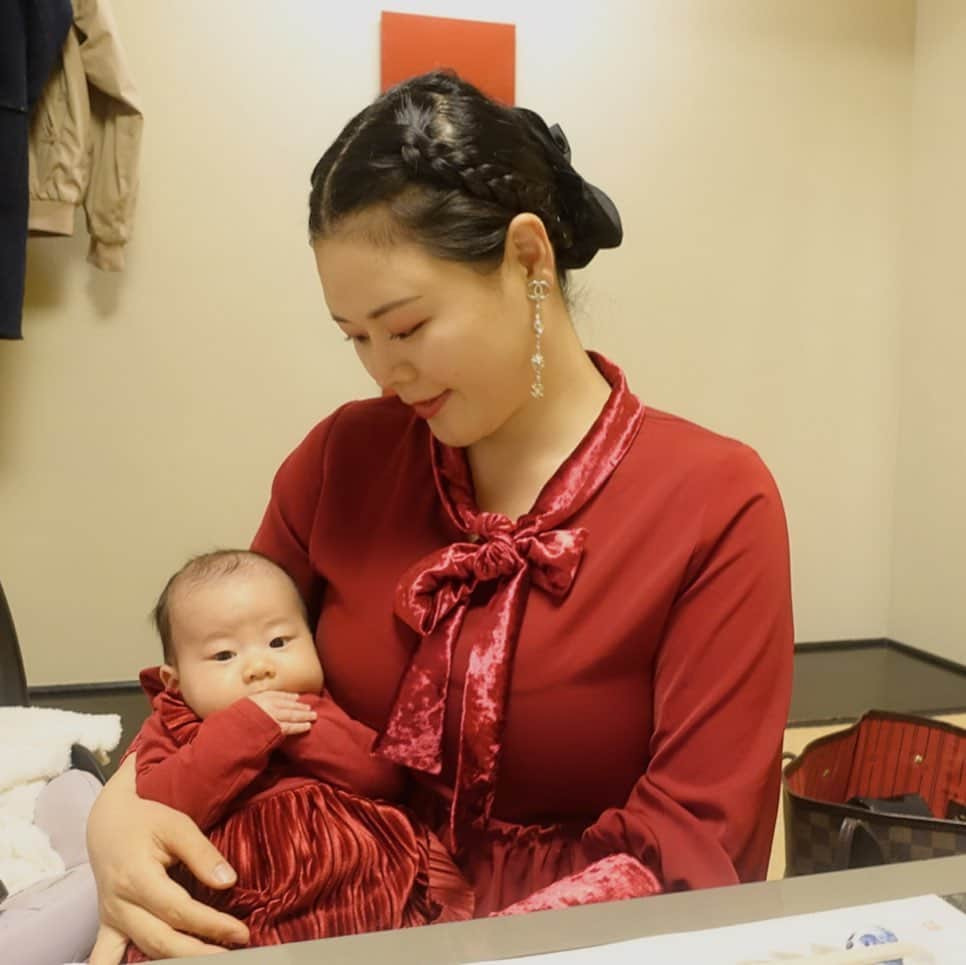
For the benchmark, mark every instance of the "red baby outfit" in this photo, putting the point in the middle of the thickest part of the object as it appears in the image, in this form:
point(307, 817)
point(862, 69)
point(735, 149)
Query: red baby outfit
point(316, 856)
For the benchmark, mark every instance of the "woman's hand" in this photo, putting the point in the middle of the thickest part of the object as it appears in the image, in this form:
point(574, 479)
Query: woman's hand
point(131, 844)
point(291, 715)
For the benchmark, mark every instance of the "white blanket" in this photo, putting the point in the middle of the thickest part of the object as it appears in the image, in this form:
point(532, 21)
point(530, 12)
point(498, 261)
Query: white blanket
point(35, 745)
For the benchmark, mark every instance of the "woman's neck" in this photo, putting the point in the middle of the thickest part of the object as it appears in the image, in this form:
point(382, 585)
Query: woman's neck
point(512, 465)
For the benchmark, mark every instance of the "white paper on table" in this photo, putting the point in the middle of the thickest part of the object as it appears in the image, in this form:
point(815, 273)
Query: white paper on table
point(931, 929)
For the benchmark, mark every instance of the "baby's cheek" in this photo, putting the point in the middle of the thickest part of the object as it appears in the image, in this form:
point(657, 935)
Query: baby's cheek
point(311, 679)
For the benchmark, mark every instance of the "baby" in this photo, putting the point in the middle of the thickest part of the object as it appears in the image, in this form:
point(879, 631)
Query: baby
point(244, 740)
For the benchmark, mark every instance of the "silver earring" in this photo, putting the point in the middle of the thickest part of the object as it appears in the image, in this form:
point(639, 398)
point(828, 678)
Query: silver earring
point(537, 291)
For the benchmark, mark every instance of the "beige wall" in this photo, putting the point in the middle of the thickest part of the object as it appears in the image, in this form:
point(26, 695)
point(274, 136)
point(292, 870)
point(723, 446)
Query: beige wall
point(756, 149)
point(929, 599)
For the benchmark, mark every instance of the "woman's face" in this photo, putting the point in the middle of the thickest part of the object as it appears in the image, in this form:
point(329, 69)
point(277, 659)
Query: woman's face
point(449, 340)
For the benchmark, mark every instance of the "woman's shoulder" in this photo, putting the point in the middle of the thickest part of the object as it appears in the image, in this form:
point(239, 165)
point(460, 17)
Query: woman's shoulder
point(694, 452)
point(701, 483)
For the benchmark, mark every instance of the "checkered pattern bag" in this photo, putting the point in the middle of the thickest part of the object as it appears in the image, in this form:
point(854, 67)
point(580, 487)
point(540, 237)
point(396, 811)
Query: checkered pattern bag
point(884, 755)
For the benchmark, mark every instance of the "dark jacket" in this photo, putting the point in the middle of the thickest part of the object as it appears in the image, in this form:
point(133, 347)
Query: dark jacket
point(31, 35)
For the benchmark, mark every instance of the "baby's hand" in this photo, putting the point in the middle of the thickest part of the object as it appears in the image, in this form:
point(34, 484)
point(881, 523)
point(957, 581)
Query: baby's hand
point(291, 715)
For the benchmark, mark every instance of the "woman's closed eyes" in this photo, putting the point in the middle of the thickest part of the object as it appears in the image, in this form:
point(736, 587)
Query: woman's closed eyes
point(409, 333)
point(393, 336)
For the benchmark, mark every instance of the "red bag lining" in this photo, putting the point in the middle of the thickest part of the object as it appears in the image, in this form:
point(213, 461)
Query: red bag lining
point(885, 757)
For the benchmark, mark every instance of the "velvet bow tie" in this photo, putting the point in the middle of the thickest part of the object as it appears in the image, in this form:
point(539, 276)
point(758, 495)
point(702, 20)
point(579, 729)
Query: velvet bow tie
point(438, 584)
point(508, 558)
point(432, 599)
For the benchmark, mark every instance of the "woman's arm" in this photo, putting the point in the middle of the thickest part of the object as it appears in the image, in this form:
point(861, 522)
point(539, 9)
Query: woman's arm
point(131, 844)
point(284, 536)
point(286, 528)
point(703, 813)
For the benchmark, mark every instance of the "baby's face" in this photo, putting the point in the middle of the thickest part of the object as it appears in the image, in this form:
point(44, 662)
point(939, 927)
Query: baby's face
point(240, 634)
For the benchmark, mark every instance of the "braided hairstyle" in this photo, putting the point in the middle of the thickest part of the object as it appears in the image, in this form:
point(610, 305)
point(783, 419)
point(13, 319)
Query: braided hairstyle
point(453, 168)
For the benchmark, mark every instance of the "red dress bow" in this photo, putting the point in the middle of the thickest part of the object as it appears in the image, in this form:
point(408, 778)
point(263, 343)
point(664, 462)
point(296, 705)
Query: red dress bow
point(434, 595)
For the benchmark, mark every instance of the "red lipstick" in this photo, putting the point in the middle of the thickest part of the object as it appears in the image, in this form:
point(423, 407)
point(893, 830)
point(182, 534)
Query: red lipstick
point(430, 407)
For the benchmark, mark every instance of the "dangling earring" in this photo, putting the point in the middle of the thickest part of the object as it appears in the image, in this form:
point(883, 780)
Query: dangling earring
point(537, 291)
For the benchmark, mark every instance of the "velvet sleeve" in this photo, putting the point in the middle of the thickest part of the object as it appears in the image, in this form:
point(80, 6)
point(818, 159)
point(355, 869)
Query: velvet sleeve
point(703, 813)
point(338, 751)
point(614, 878)
point(202, 777)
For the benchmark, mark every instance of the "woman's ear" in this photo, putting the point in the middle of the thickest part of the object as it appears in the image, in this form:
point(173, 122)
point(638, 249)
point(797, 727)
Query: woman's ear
point(169, 676)
point(528, 248)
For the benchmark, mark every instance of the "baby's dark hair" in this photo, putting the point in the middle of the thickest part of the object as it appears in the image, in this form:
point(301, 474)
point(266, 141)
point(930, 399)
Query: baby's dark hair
point(454, 168)
point(200, 569)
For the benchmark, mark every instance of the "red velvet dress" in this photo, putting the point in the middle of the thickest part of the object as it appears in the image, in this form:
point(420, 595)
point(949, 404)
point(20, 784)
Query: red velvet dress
point(608, 675)
point(316, 856)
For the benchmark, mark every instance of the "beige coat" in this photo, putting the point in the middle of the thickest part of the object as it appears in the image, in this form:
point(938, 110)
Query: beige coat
point(85, 139)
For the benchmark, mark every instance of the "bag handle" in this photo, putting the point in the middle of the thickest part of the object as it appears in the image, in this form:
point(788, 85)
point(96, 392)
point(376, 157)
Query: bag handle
point(845, 856)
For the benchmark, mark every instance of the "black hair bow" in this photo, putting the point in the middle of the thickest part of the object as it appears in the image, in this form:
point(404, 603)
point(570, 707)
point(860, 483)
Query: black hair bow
point(595, 220)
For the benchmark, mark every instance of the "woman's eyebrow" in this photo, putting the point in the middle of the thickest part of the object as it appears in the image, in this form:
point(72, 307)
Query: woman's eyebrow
point(382, 309)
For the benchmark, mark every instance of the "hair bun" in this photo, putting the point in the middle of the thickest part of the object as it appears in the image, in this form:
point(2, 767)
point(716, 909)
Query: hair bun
point(594, 216)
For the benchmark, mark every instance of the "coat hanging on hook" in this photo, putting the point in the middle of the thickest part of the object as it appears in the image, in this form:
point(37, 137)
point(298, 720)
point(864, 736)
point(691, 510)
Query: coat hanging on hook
point(85, 139)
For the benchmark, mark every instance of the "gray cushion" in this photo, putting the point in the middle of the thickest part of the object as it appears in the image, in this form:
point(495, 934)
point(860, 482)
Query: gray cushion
point(52, 922)
point(62, 810)
point(55, 920)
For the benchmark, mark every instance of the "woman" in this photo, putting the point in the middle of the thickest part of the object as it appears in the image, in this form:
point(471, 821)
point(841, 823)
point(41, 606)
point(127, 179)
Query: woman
point(569, 615)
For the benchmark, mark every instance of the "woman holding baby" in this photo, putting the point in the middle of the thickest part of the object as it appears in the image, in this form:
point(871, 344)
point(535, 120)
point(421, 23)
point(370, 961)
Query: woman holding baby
point(564, 615)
